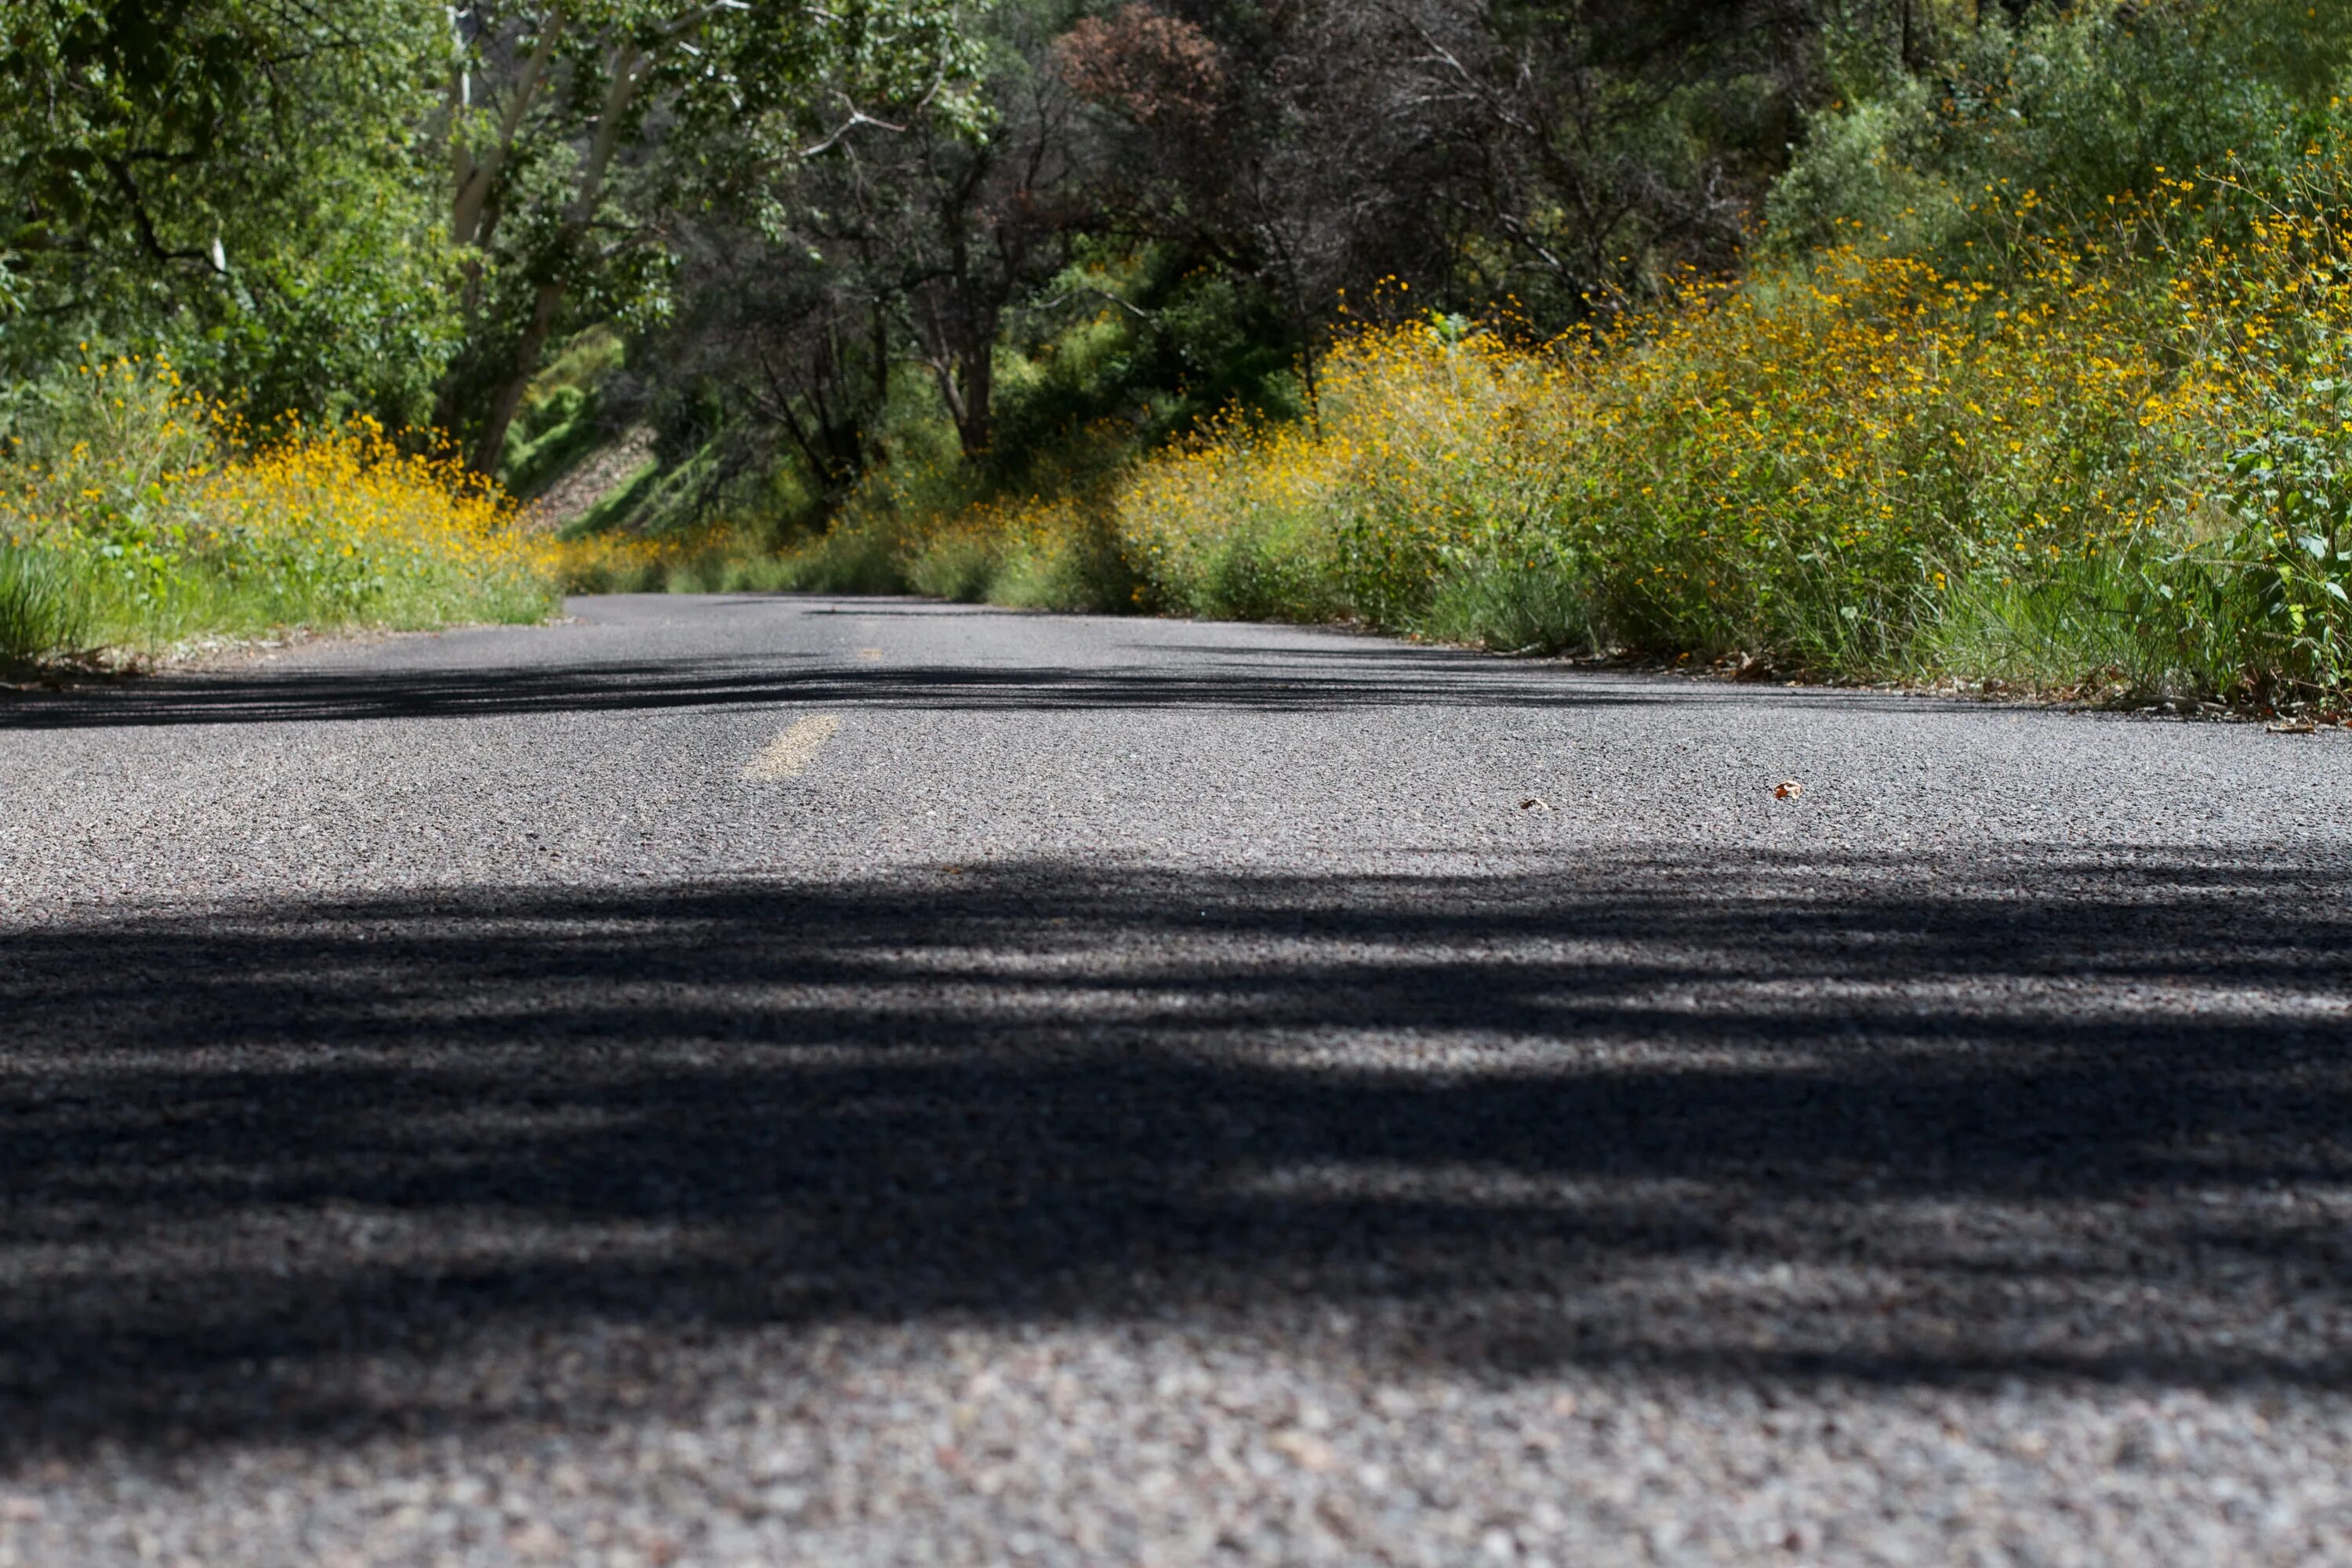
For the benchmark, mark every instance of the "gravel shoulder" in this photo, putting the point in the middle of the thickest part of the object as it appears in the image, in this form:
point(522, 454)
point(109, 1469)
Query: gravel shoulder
point(1122, 1091)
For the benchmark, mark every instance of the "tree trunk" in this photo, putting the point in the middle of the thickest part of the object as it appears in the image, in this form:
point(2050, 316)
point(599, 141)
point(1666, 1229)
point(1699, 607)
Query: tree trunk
point(503, 407)
point(974, 422)
point(627, 62)
point(476, 177)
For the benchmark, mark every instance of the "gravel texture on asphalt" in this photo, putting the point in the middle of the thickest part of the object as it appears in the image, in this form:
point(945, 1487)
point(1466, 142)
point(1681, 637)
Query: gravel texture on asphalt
point(1163, 1093)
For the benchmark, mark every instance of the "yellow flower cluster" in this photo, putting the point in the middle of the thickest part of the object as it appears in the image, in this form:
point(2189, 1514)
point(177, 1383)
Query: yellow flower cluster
point(350, 493)
point(1822, 464)
point(618, 561)
point(177, 516)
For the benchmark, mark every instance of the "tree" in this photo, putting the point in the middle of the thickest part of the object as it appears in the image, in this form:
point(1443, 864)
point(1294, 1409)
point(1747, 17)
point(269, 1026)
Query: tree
point(775, 351)
point(897, 240)
point(993, 213)
point(236, 178)
point(552, 97)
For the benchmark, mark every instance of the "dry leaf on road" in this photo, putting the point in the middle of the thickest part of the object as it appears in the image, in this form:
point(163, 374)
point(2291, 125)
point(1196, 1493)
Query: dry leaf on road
point(1787, 789)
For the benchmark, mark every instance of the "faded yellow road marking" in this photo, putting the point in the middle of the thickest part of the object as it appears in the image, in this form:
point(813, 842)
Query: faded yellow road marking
point(789, 754)
point(869, 653)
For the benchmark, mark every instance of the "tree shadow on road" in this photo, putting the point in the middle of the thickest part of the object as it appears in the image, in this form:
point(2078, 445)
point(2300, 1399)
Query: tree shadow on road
point(1762, 1117)
point(1214, 678)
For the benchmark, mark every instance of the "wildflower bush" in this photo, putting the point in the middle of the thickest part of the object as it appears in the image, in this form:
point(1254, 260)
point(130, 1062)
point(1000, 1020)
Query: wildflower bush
point(2115, 457)
point(1821, 468)
point(2043, 375)
point(134, 512)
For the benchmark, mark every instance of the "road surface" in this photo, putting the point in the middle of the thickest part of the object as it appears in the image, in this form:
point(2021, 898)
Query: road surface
point(757, 1080)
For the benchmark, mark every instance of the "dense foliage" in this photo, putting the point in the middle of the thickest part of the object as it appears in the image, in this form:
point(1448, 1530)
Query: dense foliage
point(1997, 337)
point(376, 210)
point(2037, 376)
point(232, 179)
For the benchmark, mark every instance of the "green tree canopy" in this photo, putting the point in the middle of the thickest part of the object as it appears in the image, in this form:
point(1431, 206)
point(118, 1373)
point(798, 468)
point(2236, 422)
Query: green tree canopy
point(236, 179)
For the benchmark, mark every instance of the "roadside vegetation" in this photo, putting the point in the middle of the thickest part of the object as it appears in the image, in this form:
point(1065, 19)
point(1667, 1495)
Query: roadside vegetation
point(138, 515)
point(1997, 340)
point(2042, 382)
point(2115, 460)
point(363, 231)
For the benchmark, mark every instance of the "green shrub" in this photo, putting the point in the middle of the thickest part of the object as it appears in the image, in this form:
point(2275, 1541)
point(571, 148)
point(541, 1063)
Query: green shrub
point(135, 513)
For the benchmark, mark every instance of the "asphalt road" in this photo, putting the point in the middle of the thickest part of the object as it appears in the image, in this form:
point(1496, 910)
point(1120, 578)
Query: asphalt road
point(762, 1080)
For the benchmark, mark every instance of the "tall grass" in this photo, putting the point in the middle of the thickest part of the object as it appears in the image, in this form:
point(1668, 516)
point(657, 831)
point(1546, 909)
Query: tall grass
point(136, 514)
point(39, 609)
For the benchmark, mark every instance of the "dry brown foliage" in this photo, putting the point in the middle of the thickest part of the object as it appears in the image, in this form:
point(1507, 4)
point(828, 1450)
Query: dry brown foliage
point(1159, 71)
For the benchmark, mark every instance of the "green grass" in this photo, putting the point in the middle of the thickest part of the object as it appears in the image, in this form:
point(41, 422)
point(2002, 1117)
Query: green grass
point(51, 606)
point(42, 609)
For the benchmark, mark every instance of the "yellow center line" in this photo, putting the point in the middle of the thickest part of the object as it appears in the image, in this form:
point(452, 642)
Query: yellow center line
point(789, 754)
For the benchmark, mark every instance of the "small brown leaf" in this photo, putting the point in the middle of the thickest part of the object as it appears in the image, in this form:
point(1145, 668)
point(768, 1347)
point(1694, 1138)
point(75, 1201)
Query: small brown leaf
point(1787, 789)
point(2294, 727)
point(1535, 803)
